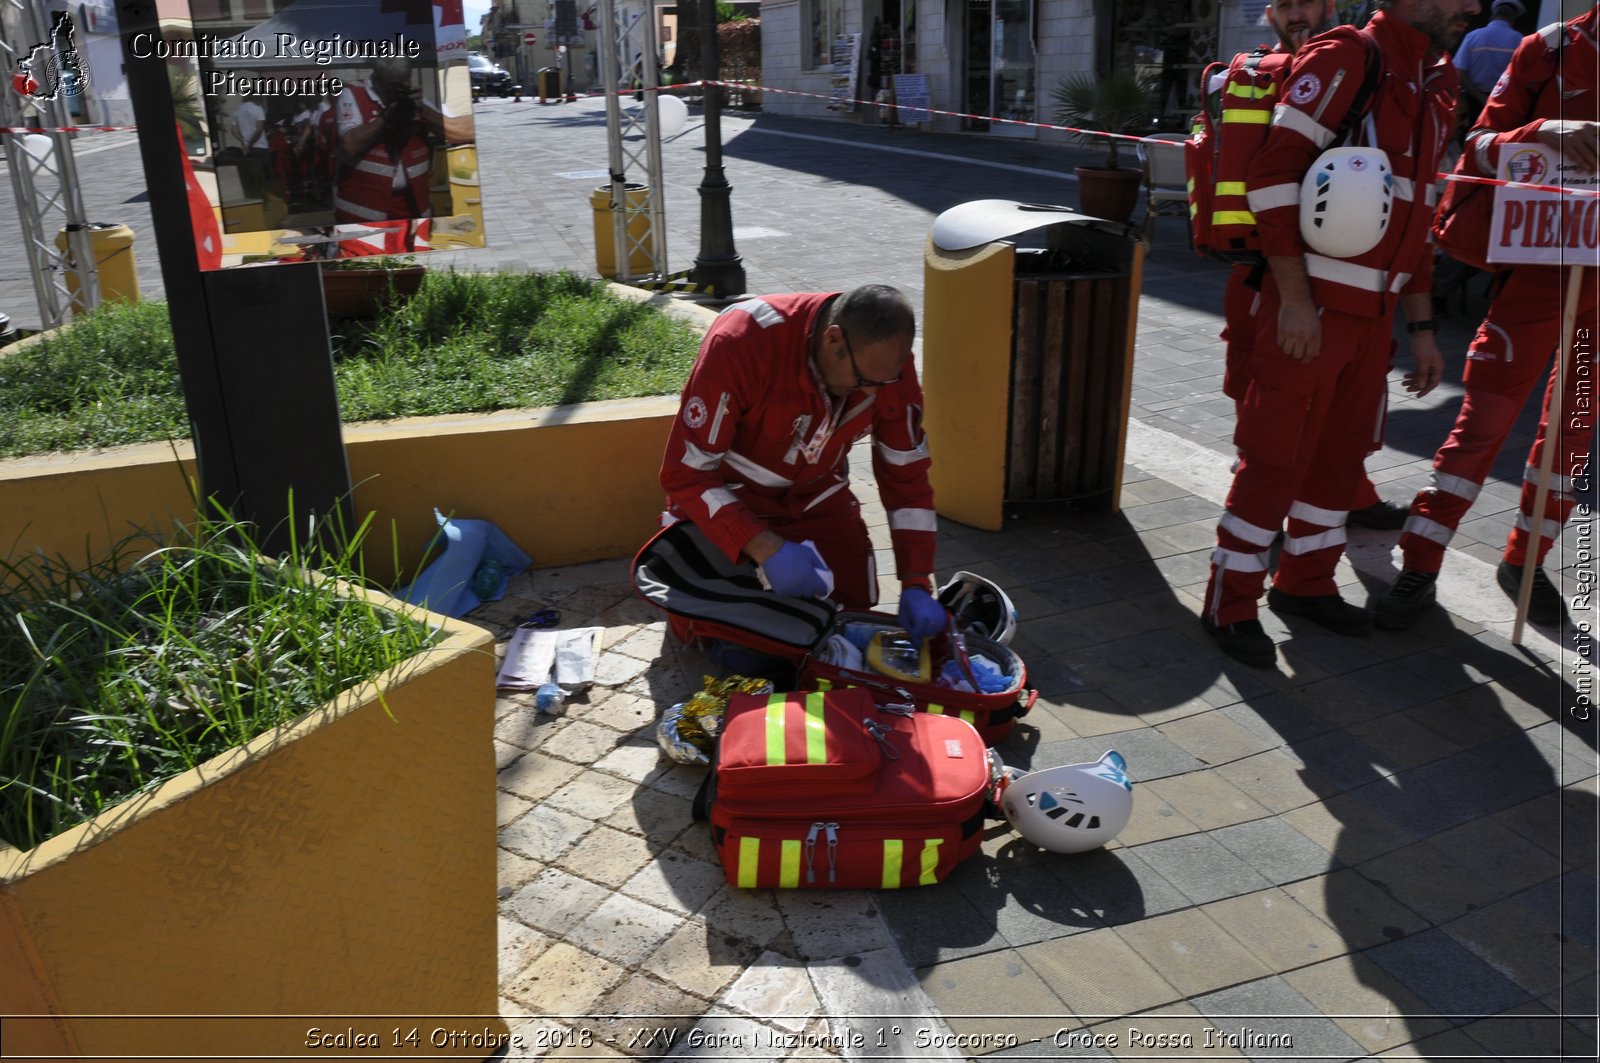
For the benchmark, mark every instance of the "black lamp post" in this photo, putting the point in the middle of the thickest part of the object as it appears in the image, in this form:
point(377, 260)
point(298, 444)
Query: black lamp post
point(718, 263)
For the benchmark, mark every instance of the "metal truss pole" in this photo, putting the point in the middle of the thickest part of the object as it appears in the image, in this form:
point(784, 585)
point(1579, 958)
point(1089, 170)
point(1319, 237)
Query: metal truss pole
point(628, 58)
point(39, 209)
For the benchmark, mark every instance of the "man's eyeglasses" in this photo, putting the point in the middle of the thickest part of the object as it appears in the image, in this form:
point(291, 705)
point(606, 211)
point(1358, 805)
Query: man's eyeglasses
point(861, 381)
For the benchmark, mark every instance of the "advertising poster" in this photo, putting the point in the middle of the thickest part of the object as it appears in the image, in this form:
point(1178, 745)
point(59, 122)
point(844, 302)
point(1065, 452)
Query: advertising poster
point(1531, 226)
point(846, 72)
point(913, 96)
point(332, 129)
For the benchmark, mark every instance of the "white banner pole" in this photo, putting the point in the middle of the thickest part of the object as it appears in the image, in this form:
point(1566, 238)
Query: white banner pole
point(1555, 422)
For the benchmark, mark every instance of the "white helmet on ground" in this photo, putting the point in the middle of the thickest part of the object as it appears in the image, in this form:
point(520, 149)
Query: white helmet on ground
point(1346, 200)
point(980, 607)
point(1073, 808)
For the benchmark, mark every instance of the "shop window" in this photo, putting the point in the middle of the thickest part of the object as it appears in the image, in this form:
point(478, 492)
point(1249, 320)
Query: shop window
point(1166, 43)
point(827, 22)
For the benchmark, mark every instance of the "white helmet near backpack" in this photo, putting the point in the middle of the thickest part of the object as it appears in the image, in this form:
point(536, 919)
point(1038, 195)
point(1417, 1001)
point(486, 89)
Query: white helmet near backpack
point(980, 607)
point(1346, 200)
point(1072, 808)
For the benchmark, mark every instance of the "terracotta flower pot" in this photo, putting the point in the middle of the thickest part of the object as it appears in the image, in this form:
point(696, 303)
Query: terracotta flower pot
point(362, 292)
point(1108, 194)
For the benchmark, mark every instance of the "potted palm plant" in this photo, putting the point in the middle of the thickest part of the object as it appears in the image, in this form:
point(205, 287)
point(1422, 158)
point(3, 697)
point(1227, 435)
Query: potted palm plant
point(1120, 103)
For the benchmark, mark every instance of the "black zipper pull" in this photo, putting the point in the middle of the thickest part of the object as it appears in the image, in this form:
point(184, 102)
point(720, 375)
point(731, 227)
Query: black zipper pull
point(881, 733)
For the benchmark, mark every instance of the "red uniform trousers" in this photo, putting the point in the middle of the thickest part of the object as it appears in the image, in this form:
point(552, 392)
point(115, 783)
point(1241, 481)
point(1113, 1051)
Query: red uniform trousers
point(1304, 430)
point(1506, 360)
point(1239, 336)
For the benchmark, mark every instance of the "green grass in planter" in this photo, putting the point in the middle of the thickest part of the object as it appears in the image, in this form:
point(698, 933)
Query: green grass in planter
point(468, 342)
point(480, 342)
point(117, 677)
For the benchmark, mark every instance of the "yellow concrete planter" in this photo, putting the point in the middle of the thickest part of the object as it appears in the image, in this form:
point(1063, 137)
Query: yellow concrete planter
point(331, 880)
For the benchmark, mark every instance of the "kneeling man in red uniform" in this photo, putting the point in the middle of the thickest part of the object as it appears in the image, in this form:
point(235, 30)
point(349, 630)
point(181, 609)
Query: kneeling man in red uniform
point(758, 457)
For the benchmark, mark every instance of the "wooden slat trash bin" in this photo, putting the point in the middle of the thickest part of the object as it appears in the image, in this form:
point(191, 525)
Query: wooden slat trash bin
point(1070, 358)
point(1028, 360)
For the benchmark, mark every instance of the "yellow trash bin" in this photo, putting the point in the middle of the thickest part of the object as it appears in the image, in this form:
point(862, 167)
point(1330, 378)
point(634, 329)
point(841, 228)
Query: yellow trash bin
point(113, 260)
point(642, 259)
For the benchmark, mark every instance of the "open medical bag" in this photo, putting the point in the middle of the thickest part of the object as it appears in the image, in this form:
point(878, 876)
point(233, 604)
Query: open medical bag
point(830, 790)
point(683, 573)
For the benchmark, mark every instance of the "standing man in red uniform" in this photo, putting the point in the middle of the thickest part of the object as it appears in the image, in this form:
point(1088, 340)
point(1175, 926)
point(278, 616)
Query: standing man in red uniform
point(758, 456)
point(1323, 341)
point(1294, 22)
point(1550, 94)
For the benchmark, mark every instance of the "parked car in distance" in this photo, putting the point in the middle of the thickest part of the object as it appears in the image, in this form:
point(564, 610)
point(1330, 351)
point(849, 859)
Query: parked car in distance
point(488, 79)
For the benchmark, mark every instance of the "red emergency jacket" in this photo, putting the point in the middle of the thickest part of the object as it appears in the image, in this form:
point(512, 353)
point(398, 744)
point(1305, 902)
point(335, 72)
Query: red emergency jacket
point(755, 435)
point(366, 190)
point(1535, 88)
point(1412, 113)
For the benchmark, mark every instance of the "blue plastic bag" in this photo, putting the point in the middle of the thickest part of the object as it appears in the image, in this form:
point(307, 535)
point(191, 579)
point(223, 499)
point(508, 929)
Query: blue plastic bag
point(476, 555)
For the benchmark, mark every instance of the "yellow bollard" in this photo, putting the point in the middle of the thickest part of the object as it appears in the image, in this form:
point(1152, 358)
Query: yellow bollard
point(641, 261)
point(113, 261)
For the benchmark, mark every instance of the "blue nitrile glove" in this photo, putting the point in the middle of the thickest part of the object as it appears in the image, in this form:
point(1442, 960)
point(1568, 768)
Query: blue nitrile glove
point(795, 572)
point(920, 614)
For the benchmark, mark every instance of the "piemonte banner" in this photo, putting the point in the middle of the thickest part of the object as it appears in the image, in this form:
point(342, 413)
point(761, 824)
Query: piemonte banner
point(1533, 226)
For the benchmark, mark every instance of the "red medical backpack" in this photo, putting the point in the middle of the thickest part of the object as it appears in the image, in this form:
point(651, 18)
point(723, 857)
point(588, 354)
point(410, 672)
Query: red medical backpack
point(828, 790)
point(683, 573)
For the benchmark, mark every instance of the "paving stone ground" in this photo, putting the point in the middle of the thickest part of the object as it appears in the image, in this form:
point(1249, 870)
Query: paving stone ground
point(1383, 848)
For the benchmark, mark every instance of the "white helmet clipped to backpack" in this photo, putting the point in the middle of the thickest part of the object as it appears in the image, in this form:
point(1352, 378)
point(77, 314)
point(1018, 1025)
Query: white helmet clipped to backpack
point(1346, 200)
point(979, 607)
point(1073, 808)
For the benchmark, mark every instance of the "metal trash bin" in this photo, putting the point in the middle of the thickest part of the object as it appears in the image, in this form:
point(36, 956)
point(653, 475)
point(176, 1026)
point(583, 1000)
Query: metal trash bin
point(1048, 418)
point(549, 83)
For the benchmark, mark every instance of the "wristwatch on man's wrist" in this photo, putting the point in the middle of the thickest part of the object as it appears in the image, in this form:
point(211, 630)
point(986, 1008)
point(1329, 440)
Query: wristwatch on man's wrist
point(1430, 325)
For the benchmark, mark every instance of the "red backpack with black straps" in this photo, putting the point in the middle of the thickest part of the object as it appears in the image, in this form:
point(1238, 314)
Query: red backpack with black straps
point(1229, 132)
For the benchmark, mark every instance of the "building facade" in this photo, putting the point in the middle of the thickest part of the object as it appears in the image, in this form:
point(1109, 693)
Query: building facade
point(988, 59)
point(552, 24)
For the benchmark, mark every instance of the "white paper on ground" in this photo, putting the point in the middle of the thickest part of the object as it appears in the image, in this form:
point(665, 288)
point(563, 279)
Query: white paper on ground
point(576, 651)
point(530, 655)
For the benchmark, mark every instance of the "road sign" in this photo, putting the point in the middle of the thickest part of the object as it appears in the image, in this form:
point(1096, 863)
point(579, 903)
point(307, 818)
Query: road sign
point(528, 38)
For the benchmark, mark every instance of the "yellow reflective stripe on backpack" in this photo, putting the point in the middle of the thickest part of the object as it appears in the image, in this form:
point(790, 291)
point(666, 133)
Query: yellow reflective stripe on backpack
point(1251, 92)
point(789, 863)
point(930, 862)
point(749, 859)
point(1233, 217)
point(777, 715)
point(816, 729)
point(893, 853)
point(1247, 117)
point(936, 710)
